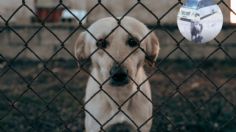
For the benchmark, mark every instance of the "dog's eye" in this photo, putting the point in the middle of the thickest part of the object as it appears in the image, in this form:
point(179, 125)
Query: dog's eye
point(102, 43)
point(133, 42)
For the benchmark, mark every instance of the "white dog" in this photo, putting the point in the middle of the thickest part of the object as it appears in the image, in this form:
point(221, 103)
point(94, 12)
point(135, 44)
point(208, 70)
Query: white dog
point(117, 69)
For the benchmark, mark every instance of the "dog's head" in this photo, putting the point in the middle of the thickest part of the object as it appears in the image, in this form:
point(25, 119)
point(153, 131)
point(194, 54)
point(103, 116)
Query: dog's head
point(114, 50)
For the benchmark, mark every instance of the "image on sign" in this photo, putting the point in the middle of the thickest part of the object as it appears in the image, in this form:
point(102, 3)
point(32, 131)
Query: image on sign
point(195, 16)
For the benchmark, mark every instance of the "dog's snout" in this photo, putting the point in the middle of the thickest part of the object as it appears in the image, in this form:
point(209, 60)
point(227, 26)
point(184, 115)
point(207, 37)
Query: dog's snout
point(121, 127)
point(119, 75)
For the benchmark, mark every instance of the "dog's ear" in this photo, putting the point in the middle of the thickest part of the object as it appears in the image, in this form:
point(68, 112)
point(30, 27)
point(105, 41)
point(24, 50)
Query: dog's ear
point(81, 47)
point(152, 49)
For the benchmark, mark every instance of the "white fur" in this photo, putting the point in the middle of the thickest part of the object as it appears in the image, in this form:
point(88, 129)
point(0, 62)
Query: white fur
point(101, 106)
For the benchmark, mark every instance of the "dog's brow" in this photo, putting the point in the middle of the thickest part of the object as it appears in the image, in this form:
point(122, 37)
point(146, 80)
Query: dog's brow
point(133, 36)
point(103, 36)
point(100, 38)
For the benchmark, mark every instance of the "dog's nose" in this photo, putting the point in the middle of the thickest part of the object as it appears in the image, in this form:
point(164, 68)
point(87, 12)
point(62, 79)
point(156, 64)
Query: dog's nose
point(120, 127)
point(119, 75)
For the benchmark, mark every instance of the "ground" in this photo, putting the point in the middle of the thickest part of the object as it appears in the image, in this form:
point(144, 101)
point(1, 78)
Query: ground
point(41, 102)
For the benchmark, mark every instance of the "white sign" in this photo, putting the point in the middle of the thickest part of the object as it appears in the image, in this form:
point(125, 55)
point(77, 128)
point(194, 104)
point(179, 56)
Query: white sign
point(200, 21)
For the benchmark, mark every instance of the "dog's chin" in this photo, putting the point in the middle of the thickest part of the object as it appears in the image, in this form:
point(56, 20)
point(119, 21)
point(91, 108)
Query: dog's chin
point(119, 93)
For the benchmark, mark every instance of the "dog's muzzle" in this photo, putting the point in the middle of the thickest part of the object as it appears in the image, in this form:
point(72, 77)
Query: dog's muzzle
point(121, 127)
point(119, 75)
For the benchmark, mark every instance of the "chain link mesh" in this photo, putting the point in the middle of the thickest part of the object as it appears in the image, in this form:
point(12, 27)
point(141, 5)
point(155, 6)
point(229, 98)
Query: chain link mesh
point(34, 116)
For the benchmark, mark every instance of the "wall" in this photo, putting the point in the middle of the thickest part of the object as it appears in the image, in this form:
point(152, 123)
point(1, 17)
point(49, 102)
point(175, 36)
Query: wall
point(117, 7)
point(158, 7)
point(8, 7)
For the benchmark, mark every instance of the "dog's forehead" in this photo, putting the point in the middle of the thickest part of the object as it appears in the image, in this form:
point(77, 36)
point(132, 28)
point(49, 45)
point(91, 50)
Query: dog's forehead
point(129, 25)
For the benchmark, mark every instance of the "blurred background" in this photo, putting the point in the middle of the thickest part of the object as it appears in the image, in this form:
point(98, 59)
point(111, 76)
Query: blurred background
point(41, 88)
point(62, 23)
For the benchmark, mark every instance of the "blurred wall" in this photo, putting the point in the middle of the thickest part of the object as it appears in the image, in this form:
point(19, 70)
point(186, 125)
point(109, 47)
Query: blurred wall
point(8, 7)
point(116, 7)
point(158, 7)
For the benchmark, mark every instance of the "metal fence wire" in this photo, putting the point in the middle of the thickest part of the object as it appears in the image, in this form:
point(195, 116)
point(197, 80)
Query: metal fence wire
point(197, 118)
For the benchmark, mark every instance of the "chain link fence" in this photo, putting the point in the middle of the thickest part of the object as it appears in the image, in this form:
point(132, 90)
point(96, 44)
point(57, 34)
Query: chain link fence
point(46, 93)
